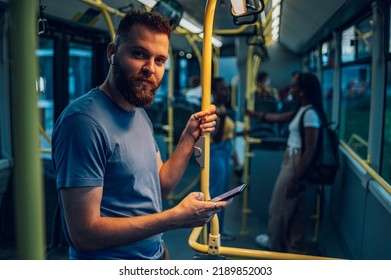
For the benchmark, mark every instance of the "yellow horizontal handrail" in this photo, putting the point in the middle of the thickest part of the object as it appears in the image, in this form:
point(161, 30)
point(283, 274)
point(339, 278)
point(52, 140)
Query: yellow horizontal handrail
point(46, 150)
point(386, 186)
point(235, 31)
point(182, 31)
point(44, 134)
point(356, 141)
point(357, 138)
point(246, 253)
point(105, 9)
point(100, 5)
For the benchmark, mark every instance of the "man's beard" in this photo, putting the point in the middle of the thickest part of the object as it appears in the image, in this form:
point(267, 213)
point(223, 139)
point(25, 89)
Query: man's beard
point(133, 89)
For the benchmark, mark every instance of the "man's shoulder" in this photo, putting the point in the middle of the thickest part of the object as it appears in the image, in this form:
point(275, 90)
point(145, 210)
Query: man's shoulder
point(83, 104)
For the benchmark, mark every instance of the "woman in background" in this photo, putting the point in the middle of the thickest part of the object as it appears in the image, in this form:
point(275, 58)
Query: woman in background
point(286, 229)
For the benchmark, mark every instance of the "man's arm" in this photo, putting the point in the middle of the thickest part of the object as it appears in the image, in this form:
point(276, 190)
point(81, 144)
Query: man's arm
point(89, 231)
point(173, 169)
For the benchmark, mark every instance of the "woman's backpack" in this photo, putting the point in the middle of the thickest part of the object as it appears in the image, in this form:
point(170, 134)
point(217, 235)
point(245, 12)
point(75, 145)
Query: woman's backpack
point(325, 163)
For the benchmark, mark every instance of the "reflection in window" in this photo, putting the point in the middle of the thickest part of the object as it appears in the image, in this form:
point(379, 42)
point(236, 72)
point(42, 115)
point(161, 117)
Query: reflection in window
point(80, 70)
point(364, 38)
point(45, 87)
point(327, 91)
point(325, 53)
point(386, 152)
point(314, 60)
point(355, 107)
point(348, 45)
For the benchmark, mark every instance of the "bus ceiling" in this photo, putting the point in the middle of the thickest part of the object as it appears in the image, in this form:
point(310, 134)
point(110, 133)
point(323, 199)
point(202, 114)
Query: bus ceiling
point(299, 19)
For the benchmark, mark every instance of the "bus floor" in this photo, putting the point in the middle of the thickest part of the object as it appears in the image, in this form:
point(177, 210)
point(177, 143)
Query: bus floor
point(177, 240)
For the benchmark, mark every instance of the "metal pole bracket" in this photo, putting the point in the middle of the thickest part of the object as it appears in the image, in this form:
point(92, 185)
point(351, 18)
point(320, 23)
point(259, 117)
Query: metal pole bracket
point(199, 148)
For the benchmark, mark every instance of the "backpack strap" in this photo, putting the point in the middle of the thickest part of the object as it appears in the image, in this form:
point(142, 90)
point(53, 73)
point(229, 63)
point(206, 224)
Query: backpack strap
point(301, 129)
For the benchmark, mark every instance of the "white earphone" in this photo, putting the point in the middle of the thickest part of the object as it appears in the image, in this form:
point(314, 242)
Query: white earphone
point(112, 57)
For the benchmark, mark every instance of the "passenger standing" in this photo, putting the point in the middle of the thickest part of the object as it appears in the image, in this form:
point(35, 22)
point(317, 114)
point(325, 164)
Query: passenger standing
point(264, 90)
point(110, 176)
point(286, 92)
point(221, 148)
point(222, 152)
point(194, 94)
point(286, 229)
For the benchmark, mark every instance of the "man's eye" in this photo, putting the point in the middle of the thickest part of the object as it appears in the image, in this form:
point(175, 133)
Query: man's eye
point(138, 54)
point(160, 61)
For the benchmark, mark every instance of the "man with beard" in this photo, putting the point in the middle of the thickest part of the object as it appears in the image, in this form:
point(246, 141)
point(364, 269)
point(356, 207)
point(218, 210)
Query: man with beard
point(110, 176)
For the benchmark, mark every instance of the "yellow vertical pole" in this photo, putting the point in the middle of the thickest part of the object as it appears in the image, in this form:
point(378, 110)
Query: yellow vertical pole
point(246, 168)
point(28, 190)
point(214, 235)
point(109, 23)
point(206, 87)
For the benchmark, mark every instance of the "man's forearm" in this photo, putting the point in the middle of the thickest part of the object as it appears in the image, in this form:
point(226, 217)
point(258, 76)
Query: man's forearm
point(106, 232)
point(174, 168)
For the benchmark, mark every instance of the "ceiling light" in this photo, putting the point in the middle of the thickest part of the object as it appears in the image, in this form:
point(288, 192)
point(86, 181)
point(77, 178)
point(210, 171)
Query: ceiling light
point(190, 26)
point(148, 3)
point(238, 7)
point(216, 42)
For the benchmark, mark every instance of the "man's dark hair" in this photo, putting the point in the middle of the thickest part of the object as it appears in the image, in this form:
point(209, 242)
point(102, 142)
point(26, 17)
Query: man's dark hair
point(152, 21)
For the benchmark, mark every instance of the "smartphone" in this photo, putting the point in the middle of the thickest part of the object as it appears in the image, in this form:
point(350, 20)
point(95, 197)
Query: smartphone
point(227, 195)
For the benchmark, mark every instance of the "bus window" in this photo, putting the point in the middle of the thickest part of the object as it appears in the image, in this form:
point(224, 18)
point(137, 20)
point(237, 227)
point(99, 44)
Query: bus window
point(80, 70)
point(327, 90)
point(325, 54)
point(364, 38)
point(45, 86)
point(355, 107)
point(327, 76)
point(386, 155)
point(313, 63)
point(348, 45)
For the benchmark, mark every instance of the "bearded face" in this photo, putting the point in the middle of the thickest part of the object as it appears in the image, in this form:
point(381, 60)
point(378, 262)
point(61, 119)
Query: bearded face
point(138, 89)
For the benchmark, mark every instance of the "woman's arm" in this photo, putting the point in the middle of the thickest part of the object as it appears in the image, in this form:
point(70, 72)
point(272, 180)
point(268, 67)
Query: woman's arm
point(271, 117)
point(311, 140)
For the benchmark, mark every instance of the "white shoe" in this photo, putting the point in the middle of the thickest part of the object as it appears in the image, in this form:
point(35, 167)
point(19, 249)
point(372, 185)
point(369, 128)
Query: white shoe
point(262, 240)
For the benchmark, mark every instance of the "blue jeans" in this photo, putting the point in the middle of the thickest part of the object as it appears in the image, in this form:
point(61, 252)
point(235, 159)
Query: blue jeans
point(220, 171)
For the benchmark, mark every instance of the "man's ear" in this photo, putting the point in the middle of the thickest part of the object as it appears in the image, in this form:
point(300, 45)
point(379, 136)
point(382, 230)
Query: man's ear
point(111, 53)
point(112, 59)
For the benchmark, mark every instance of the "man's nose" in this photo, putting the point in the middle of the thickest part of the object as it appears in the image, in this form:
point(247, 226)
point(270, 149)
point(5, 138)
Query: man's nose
point(148, 68)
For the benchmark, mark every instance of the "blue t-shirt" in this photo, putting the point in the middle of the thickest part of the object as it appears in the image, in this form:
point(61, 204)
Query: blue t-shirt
point(97, 143)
